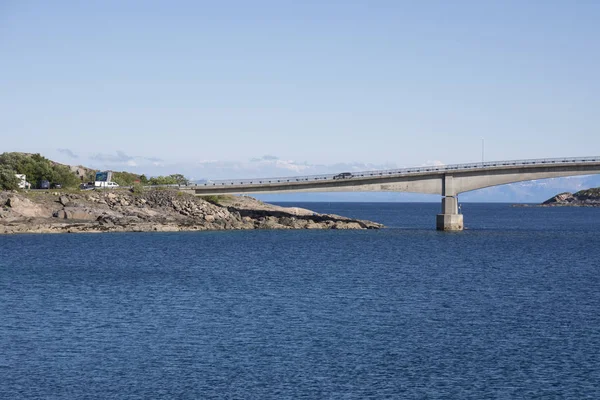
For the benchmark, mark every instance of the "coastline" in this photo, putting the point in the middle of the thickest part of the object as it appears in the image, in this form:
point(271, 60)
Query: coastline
point(99, 211)
point(583, 198)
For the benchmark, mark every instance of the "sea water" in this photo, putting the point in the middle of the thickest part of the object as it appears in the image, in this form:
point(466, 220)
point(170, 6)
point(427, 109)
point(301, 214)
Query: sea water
point(508, 308)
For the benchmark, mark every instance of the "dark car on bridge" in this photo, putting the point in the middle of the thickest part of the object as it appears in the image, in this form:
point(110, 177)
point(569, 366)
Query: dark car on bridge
point(343, 175)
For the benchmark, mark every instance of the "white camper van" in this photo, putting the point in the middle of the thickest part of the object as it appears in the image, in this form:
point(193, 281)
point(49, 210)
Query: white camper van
point(106, 185)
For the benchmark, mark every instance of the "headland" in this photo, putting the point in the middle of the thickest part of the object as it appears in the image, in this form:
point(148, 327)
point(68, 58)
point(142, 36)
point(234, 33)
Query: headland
point(153, 211)
point(583, 198)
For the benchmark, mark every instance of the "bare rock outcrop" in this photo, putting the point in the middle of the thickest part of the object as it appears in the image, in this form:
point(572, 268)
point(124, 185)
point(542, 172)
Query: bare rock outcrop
point(154, 211)
point(583, 198)
point(23, 207)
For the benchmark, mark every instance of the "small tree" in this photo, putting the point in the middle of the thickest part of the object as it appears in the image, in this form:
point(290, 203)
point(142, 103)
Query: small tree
point(162, 180)
point(125, 178)
point(63, 175)
point(137, 188)
point(180, 179)
point(38, 168)
point(8, 180)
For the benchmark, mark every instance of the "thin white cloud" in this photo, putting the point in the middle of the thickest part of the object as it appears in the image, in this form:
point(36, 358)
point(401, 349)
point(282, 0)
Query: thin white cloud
point(264, 158)
point(433, 163)
point(270, 166)
point(121, 159)
point(68, 153)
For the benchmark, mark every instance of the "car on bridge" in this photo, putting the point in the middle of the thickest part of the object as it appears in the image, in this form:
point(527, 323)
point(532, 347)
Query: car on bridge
point(343, 175)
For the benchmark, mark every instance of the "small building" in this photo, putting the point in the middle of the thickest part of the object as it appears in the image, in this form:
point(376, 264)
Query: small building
point(23, 184)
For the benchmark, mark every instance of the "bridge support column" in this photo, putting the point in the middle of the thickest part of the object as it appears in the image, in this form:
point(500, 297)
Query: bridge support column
point(449, 219)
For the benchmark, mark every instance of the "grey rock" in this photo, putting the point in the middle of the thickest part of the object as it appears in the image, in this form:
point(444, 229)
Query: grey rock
point(64, 200)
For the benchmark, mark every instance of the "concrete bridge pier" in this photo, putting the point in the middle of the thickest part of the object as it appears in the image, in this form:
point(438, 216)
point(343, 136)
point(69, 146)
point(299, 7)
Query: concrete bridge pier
point(449, 219)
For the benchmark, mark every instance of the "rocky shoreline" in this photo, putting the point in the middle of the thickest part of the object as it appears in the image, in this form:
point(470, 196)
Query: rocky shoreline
point(583, 198)
point(153, 211)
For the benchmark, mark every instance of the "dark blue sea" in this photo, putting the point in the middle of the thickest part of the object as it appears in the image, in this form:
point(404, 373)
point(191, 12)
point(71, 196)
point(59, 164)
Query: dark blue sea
point(507, 309)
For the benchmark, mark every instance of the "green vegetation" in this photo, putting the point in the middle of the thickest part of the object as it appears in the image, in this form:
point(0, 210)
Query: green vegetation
point(89, 176)
point(129, 179)
point(124, 178)
point(8, 180)
point(139, 181)
point(214, 199)
point(137, 188)
point(593, 193)
point(175, 179)
point(36, 168)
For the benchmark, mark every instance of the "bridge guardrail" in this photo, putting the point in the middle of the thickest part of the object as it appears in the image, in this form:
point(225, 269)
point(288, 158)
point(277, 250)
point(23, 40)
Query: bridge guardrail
point(400, 171)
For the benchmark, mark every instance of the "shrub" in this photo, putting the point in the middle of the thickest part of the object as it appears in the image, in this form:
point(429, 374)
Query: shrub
point(175, 179)
point(8, 180)
point(213, 199)
point(125, 178)
point(38, 168)
point(137, 188)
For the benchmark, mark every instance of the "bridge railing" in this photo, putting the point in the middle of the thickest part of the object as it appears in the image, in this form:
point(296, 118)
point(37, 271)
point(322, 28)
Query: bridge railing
point(400, 171)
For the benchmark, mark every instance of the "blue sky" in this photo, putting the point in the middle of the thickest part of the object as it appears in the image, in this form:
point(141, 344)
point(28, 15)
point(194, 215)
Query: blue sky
point(208, 87)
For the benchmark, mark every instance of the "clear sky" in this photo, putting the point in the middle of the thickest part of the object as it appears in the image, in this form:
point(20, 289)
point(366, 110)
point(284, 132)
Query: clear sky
point(310, 82)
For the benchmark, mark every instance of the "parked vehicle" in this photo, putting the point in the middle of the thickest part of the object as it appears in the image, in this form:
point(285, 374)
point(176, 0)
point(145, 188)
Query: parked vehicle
point(56, 186)
point(44, 184)
point(343, 175)
point(106, 185)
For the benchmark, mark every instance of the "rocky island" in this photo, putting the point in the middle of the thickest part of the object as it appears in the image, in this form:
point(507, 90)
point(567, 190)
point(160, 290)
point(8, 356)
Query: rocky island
point(583, 198)
point(153, 211)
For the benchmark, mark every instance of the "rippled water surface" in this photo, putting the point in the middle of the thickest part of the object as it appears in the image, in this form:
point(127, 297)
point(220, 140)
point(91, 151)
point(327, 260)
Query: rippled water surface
point(509, 308)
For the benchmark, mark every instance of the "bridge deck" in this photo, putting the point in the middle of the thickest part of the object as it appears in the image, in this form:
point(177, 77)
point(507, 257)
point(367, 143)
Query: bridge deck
point(520, 169)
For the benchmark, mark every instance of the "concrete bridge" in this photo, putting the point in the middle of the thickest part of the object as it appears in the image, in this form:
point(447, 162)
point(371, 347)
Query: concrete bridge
point(448, 181)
